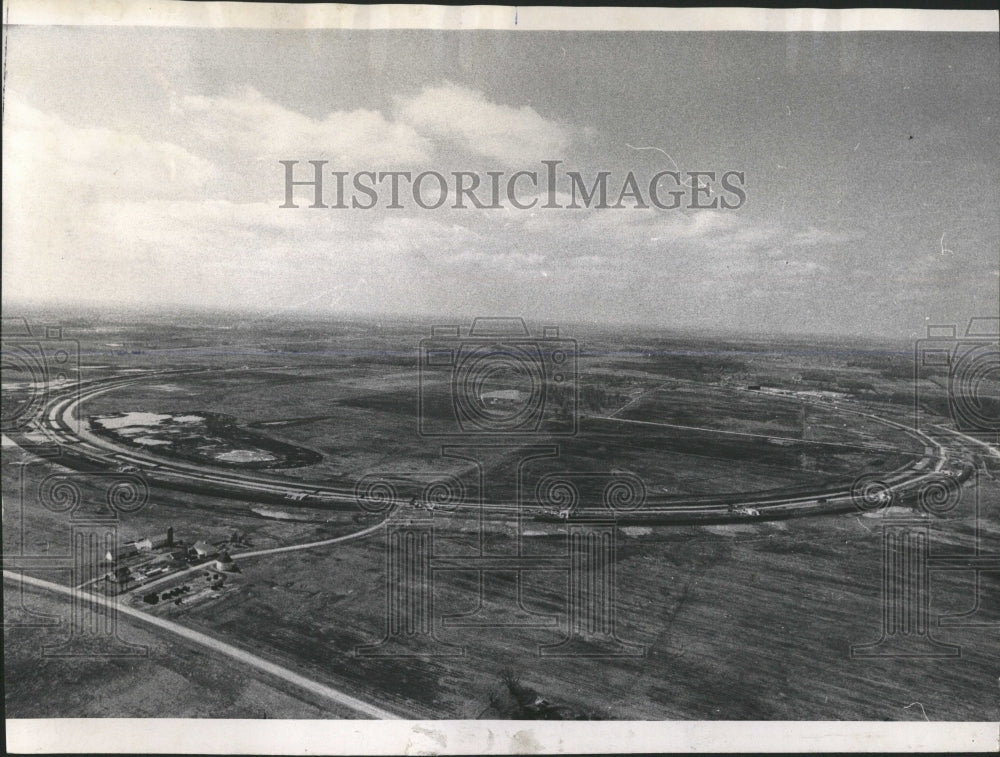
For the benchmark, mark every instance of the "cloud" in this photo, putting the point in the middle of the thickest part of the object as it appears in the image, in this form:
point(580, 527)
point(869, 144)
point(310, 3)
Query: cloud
point(424, 128)
point(250, 123)
point(465, 118)
point(44, 156)
point(55, 173)
point(815, 236)
point(118, 218)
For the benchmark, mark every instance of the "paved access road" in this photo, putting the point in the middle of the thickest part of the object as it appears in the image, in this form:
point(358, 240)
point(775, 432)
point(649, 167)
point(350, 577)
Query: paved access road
point(326, 692)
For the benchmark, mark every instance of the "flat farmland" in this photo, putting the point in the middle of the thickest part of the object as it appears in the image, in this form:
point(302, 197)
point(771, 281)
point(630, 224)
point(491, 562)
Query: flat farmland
point(691, 404)
point(172, 678)
point(747, 620)
point(363, 420)
point(751, 412)
point(33, 528)
point(736, 622)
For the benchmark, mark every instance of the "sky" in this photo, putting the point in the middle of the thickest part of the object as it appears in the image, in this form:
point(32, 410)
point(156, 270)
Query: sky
point(141, 168)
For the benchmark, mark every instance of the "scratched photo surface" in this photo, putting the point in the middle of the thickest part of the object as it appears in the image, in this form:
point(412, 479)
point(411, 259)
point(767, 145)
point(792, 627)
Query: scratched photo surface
point(501, 375)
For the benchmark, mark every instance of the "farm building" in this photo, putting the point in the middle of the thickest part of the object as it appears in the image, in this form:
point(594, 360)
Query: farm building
point(202, 549)
point(123, 551)
point(226, 563)
point(156, 541)
point(176, 553)
point(120, 575)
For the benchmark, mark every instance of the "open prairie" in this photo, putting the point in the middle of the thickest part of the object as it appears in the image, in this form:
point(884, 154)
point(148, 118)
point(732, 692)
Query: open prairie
point(750, 614)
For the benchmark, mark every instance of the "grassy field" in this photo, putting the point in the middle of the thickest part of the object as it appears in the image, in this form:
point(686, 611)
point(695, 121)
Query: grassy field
point(358, 410)
point(738, 622)
point(173, 679)
point(748, 621)
point(31, 528)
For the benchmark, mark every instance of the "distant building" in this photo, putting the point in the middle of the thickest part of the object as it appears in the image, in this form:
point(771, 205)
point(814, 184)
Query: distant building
point(226, 563)
point(123, 551)
point(824, 394)
point(120, 575)
point(501, 397)
point(201, 549)
point(178, 554)
point(776, 390)
point(156, 541)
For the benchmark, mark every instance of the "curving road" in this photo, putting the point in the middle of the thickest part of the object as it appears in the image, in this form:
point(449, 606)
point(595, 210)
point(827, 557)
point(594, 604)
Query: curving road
point(63, 425)
point(311, 544)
